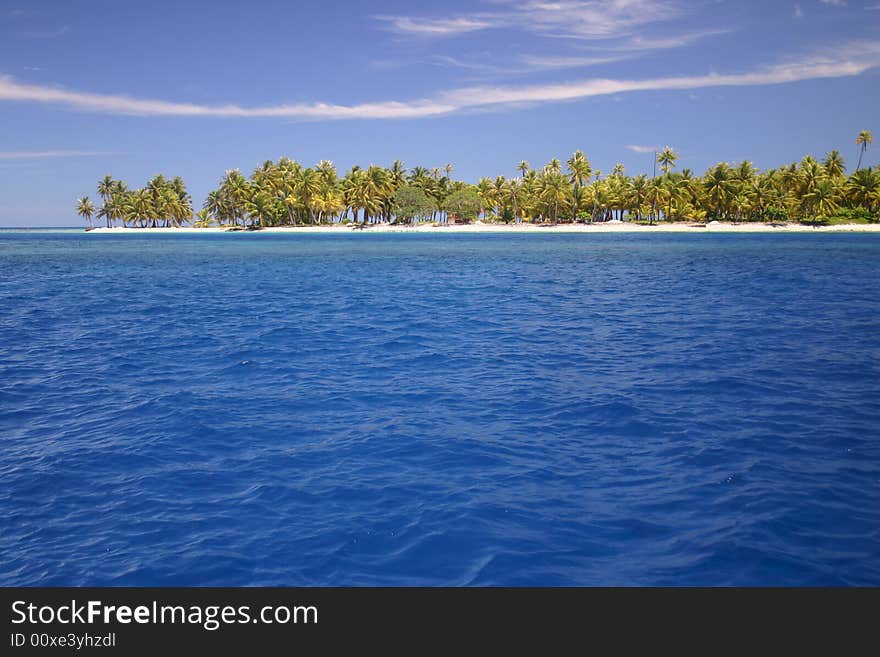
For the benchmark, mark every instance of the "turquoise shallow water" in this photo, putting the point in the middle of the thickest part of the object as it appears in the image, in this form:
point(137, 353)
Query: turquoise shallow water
point(453, 409)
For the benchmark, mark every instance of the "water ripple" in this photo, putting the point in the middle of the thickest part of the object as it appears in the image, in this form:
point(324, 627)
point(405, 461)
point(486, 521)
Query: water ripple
point(464, 410)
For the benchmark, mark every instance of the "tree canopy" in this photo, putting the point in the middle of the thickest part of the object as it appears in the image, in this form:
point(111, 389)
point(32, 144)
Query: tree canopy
point(287, 193)
point(410, 203)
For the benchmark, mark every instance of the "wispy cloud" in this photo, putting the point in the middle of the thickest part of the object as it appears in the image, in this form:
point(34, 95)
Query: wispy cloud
point(637, 43)
point(478, 66)
point(538, 62)
point(584, 58)
point(41, 155)
point(847, 60)
point(798, 12)
point(526, 64)
point(834, 3)
point(642, 149)
point(585, 19)
point(47, 33)
point(434, 26)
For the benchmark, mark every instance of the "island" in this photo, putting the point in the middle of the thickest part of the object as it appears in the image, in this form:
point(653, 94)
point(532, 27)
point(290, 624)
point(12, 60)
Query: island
point(285, 196)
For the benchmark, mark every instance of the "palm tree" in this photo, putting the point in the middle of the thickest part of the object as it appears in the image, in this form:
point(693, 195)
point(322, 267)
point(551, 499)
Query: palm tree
point(307, 188)
point(106, 187)
point(863, 188)
point(215, 206)
point(378, 190)
point(719, 188)
point(741, 203)
point(327, 171)
point(554, 166)
point(834, 165)
point(329, 202)
point(637, 192)
point(556, 191)
point(398, 174)
point(657, 194)
point(85, 209)
point(667, 159)
point(822, 199)
point(486, 190)
point(235, 192)
point(204, 219)
point(580, 170)
point(263, 207)
point(865, 137)
point(284, 192)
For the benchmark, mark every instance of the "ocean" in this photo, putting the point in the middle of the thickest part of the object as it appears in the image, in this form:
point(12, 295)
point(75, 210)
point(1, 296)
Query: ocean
point(369, 409)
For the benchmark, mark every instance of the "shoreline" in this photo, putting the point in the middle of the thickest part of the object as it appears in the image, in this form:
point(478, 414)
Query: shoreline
point(513, 229)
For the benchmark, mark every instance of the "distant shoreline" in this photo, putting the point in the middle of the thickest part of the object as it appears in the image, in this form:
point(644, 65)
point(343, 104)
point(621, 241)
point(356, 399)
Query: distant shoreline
point(515, 229)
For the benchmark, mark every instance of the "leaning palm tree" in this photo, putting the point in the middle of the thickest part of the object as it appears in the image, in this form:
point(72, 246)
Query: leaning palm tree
point(85, 209)
point(865, 137)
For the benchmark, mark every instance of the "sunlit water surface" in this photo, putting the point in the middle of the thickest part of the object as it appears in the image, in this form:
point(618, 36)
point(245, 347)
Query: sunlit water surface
point(453, 409)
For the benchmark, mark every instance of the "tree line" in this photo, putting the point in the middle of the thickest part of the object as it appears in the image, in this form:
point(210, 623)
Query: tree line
point(286, 193)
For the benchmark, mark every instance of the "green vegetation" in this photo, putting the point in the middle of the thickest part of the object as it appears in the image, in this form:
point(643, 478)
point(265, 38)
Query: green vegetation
point(286, 193)
point(464, 204)
point(162, 202)
point(410, 203)
point(85, 209)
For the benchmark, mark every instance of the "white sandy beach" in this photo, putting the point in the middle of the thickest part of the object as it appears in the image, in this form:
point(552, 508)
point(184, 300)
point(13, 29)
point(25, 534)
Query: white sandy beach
point(610, 227)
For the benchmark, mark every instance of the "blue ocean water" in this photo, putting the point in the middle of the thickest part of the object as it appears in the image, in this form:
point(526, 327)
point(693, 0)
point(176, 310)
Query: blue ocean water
point(455, 409)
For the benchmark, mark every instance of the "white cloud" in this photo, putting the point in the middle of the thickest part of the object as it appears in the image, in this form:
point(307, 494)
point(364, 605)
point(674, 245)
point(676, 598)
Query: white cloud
point(593, 19)
point(834, 3)
point(610, 53)
point(40, 155)
point(126, 105)
point(849, 60)
point(524, 64)
point(642, 149)
point(537, 62)
point(434, 26)
point(585, 19)
point(665, 43)
point(798, 12)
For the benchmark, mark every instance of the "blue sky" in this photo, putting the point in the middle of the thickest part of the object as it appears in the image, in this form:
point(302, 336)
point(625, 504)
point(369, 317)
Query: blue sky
point(194, 88)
